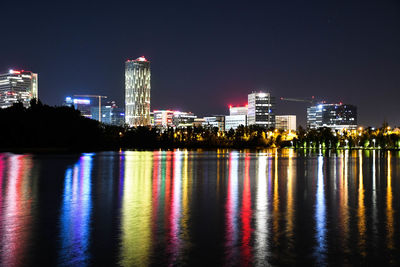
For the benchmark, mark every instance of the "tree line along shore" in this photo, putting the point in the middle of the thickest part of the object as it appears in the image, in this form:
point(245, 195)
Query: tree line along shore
point(43, 127)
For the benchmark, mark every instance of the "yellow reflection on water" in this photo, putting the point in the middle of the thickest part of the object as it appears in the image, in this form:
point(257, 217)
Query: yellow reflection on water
point(291, 182)
point(275, 203)
point(389, 207)
point(185, 198)
point(136, 209)
point(361, 207)
point(374, 200)
point(344, 198)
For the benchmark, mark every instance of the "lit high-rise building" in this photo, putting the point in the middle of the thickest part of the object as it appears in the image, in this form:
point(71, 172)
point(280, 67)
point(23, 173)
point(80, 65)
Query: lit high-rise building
point(261, 110)
point(18, 85)
point(237, 116)
point(334, 116)
point(137, 92)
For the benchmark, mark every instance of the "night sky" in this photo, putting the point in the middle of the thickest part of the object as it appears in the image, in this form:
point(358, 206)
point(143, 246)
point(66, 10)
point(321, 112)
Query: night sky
point(206, 55)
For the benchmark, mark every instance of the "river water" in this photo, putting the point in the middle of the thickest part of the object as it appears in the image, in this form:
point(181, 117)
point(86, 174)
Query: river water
point(222, 207)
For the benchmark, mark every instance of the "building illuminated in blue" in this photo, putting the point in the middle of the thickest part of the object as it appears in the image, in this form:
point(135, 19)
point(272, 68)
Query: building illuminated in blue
point(81, 104)
point(335, 116)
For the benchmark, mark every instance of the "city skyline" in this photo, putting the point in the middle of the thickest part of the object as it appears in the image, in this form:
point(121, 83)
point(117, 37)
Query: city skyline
point(337, 52)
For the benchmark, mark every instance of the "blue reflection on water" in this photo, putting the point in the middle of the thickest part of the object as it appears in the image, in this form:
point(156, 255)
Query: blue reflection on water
point(320, 214)
point(76, 214)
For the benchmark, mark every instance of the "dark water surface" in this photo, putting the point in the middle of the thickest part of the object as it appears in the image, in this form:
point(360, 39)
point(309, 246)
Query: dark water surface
point(200, 208)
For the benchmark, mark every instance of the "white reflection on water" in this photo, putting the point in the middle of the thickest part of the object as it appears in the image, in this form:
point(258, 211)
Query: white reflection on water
point(320, 214)
point(290, 209)
point(261, 232)
point(175, 231)
point(232, 209)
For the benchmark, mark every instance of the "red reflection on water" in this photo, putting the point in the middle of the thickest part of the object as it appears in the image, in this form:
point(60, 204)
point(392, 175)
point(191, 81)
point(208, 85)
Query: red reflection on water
point(167, 192)
point(15, 212)
point(1, 186)
point(246, 256)
point(156, 185)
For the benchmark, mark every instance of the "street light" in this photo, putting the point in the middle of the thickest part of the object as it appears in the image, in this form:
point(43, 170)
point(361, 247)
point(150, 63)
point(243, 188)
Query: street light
point(373, 141)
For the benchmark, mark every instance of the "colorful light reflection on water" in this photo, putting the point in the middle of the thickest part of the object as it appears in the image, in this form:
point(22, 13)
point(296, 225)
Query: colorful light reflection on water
point(75, 215)
point(141, 208)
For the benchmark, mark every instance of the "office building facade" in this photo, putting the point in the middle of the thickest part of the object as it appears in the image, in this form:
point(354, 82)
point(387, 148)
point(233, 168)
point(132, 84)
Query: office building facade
point(110, 114)
point(18, 86)
point(84, 105)
point(172, 118)
point(261, 109)
point(234, 121)
point(163, 118)
point(241, 110)
point(137, 92)
point(334, 116)
point(285, 122)
point(215, 121)
point(183, 119)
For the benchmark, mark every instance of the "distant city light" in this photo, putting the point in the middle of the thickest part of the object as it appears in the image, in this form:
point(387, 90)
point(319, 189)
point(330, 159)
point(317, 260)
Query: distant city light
point(81, 101)
point(141, 59)
point(261, 94)
point(14, 72)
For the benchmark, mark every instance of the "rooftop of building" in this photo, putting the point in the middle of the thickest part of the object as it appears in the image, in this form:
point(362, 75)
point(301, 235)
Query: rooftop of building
point(139, 59)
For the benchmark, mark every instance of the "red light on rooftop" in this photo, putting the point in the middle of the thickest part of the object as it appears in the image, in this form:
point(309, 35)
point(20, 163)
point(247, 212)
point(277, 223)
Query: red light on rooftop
point(142, 58)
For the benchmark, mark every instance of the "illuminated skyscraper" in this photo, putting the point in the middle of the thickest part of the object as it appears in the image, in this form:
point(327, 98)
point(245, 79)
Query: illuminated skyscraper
point(335, 116)
point(18, 86)
point(137, 92)
point(261, 110)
